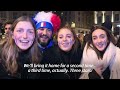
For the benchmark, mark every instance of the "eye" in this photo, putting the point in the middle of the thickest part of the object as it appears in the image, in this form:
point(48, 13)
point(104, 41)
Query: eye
point(31, 31)
point(69, 36)
point(94, 38)
point(102, 36)
point(60, 37)
point(19, 30)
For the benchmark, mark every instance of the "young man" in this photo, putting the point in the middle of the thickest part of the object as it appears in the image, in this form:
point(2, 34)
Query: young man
point(7, 28)
point(46, 24)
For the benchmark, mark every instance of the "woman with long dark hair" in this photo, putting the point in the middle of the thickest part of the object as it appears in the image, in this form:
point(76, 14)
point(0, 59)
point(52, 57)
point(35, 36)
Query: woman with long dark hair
point(100, 56)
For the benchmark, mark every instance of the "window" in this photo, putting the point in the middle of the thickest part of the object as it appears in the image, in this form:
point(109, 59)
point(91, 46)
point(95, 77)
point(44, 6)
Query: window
point(3, 15)
point(78, 19)
point(25, 14)
point(14, 15)
point(99, 19)
point(116, 17)
point(107, 18)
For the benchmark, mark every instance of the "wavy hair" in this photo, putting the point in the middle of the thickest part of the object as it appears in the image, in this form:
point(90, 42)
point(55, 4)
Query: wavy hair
point(77, 43)
point(10, 51)
point(110, 37)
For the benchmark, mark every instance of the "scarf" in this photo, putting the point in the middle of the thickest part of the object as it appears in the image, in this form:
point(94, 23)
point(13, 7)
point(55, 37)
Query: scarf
point(115, 67)
point(91, 61)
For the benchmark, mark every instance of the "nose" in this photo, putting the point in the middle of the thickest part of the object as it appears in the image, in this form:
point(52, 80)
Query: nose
point(99, 40)
point(44, 31)
point(64, 39)
point(24, 35)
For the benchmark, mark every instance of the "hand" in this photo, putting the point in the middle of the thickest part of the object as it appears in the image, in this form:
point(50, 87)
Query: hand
point(99, 70)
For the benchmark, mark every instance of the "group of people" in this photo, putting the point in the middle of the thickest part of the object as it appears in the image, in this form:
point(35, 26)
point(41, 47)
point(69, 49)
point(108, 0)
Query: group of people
point(30, 42)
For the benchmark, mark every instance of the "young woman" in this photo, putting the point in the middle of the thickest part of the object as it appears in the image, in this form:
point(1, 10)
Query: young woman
point(101, 56)
point(66, 55)
point(20, 50)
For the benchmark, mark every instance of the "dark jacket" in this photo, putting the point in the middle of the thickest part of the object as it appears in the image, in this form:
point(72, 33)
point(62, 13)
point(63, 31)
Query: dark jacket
point(22, 72)
point(56, 56)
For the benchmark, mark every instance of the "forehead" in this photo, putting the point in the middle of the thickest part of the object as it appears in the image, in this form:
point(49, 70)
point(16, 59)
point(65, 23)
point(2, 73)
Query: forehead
point(64, 31)
point(98, 32)
point(24, 23)
point(8, 25)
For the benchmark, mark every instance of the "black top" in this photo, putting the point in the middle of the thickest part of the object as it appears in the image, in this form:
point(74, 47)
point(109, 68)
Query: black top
point(55, 55)
point(22, 72)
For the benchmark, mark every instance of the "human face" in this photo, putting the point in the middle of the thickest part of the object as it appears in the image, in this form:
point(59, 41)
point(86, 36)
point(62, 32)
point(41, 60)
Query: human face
point(44, 36)
point(99, 39)
point(24, 35)
point(65, 39)
point(7, 28)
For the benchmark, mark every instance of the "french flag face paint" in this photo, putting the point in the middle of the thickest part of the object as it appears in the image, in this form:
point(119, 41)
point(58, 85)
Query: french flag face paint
point(99, 39)
point(65, 40)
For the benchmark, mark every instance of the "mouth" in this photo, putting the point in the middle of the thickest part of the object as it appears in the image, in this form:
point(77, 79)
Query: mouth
point(44, 37)
point(65, 44)
point(24, 41)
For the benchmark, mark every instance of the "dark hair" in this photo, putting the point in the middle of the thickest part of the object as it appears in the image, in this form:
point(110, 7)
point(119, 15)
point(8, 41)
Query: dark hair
point(118, 42)
point(77, 43)
point(108, 33)
point(7, 22)
point(10, 51)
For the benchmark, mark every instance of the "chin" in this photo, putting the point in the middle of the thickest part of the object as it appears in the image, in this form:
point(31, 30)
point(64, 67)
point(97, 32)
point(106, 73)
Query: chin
point(66, 50)
point(100, 49)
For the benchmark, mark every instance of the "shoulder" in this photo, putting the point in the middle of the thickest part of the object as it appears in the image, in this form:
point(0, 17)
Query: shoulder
point(50, 55)
point(51, 50)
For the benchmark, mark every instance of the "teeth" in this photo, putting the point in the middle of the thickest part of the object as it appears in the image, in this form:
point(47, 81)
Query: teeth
point(64, 43)
point(100, 46)
point(24, 41)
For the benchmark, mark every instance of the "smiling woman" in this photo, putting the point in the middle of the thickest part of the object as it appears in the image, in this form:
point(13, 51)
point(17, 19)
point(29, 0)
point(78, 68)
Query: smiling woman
point(100, 51)
point(67, 52)
point(21, 48)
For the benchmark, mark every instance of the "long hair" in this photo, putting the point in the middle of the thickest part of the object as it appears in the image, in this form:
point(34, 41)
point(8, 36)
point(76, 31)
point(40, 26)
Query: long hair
point(10, 51)
point(76, 44)
point(110, 38)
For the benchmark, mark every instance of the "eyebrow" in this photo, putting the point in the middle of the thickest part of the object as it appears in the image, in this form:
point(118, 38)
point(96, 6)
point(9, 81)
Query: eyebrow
point(23, 29)
point(66, 34)
point(99, 35)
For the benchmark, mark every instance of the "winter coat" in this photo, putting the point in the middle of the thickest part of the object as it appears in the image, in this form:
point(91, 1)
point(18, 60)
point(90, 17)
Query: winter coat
point(111, 59)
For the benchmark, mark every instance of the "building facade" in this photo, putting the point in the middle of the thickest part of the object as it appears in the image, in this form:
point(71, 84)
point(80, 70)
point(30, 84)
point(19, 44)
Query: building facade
point(81, 21)
point(114, 16)
point(12, 15)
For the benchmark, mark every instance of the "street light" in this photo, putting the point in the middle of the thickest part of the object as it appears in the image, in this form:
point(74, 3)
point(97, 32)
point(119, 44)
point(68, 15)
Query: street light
point(73, 25)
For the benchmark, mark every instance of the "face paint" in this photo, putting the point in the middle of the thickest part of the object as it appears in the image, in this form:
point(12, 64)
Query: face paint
point(99, 39)
point(65, 39)
point(24, 35)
